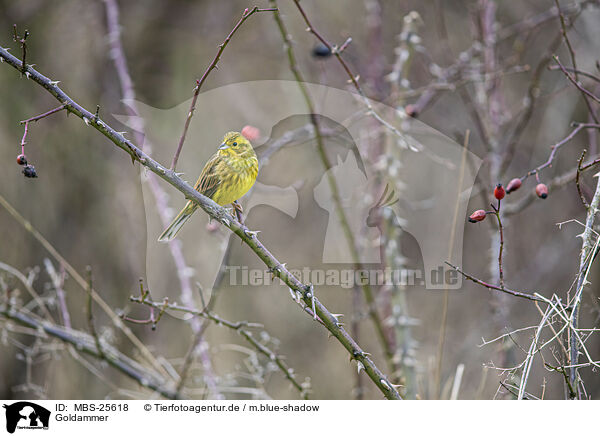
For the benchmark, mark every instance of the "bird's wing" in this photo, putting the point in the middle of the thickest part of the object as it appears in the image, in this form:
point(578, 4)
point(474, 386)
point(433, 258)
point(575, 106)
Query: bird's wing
point(209, 179)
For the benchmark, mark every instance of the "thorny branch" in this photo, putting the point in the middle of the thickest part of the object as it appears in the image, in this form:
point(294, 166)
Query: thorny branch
point(220, 214)
point(86, 344)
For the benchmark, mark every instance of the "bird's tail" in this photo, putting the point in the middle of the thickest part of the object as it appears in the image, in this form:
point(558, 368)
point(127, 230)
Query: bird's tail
point(178, 222)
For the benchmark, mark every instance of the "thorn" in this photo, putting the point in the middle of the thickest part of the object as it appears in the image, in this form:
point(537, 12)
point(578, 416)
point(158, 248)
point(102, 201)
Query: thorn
point(86, 121)
point(361, 366)
point(251, 233)
point(385, 384)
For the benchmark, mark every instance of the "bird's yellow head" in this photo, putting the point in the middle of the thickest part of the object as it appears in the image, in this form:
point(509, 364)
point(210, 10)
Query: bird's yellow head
point(235, 144)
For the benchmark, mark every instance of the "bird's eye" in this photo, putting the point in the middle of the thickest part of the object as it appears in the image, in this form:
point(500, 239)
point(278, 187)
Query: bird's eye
point(234, 144)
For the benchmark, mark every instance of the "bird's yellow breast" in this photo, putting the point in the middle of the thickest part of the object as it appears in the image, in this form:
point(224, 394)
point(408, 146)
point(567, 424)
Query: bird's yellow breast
point(238, 176)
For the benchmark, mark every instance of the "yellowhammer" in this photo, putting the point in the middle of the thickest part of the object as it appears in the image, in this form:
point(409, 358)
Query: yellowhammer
point(226, 177)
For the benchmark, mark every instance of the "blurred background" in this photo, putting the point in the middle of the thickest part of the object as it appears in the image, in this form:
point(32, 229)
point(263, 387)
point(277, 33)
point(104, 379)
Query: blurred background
point(455, 65)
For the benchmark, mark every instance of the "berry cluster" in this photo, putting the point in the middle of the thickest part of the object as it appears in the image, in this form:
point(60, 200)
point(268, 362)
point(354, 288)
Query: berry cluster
point(541, 191)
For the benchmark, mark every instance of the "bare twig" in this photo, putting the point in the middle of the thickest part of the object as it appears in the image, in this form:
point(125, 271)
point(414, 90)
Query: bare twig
point(554, 148)
point(189, 357)
point(577, 177)
point(531, 354)
point(58, 281)
point(578, 85)
point(90, 314)
point(530, 102)
point(245, 15)
point(44, 115)
point(241, 327)
point(573, 70)
point(28, 287)
point(86, 344)
point(575, 80)
point(82, 284)
point(501, 248)
point(494, 287)
point(22, 41)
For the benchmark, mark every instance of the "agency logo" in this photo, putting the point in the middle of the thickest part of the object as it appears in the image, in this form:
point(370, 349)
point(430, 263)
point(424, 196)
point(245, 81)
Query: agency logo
point(26, 415)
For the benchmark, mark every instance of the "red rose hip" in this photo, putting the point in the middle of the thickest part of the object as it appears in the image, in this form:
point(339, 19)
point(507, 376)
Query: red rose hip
point(22, 159)
point(478, 215)
point(513, 185)
point(499, 191)
point(541, 190)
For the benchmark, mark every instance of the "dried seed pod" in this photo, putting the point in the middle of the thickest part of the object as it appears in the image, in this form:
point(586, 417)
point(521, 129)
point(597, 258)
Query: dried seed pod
point(513, 185)
point(541, 190)
point(478, 215)
point(499, 191)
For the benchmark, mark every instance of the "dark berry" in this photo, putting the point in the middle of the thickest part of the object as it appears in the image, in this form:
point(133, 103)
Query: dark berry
point(29, 171)
point(320, 50)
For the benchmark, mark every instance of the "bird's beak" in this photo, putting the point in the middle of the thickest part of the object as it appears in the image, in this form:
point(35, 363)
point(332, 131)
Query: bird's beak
point(223, 146)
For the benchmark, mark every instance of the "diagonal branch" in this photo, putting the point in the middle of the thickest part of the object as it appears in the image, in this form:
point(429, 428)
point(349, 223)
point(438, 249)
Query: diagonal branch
point(220, 214)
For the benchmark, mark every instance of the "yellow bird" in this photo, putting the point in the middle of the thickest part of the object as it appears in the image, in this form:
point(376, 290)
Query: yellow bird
point(226, 177)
